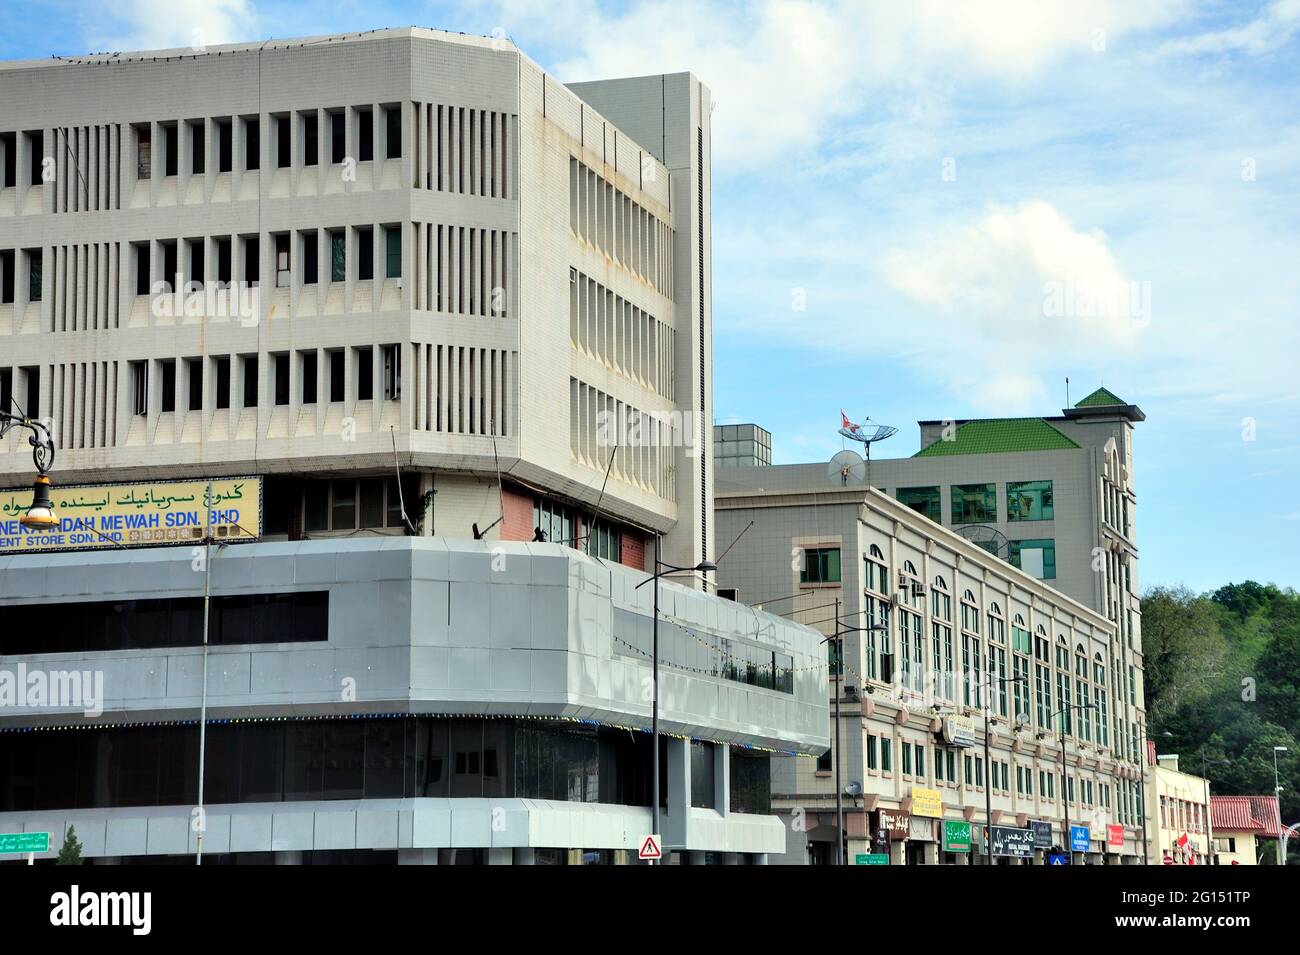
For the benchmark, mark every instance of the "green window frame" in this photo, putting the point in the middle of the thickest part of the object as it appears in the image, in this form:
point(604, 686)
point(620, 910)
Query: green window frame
point(1029, 501)
point(974, 503)
point(923, 500)
point(821, 565)
point(886, 754)
point(1046, 544)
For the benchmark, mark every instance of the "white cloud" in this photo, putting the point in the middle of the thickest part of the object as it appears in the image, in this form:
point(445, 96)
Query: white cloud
point(784, 72)
point(1024, 279)
point(168, 24)
point(1266, 33)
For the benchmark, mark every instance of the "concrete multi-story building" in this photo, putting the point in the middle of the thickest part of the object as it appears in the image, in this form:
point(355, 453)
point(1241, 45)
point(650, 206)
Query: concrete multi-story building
point(1182, 830)
point(460, 263)
point(1239, 823)
point(436, 301)
point(960, 633)
point(1052, 497)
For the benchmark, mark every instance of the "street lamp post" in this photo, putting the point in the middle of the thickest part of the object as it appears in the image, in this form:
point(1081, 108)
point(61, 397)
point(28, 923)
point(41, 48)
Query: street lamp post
point(988, 765)
point(1065, 782)
point(661, 569)
point(840, 631)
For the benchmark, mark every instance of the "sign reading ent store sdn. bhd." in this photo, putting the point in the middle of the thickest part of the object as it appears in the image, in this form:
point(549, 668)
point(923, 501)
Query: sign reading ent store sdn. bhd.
point(95, 516)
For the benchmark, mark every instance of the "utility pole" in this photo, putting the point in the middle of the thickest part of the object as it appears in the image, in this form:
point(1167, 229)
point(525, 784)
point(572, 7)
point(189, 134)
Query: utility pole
point(203, 706)
point(839, 789)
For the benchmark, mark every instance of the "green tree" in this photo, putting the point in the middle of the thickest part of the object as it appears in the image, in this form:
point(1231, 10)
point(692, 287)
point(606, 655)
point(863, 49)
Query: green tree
point(70, 854)
point(1183, 648)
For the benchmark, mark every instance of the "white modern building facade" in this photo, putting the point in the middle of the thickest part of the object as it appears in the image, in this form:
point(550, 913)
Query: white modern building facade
point(458, 260)
point(455, 316)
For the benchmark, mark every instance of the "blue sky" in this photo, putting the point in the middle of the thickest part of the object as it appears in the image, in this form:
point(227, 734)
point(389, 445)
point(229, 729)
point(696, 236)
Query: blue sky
point(901, 189)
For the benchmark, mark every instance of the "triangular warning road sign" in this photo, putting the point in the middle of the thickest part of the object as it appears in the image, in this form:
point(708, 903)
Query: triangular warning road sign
point(650, 848)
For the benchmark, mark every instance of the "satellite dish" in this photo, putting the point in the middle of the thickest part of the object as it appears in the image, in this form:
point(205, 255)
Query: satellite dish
point(989, 538)
point(847, 467)
point(868, 433)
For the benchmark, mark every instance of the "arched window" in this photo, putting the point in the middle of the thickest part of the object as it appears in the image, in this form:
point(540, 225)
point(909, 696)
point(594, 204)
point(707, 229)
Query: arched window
point(970, 613)
point(909, 568)
point(877, 571)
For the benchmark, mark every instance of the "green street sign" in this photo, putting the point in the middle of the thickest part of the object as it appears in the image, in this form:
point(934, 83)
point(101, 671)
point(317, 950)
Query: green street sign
point(874, 858)
point(956, 836)
point(11, 842)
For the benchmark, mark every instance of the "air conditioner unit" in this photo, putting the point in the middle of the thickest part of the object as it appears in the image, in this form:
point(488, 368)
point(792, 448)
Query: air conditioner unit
point(903, 580)
point(918, 589)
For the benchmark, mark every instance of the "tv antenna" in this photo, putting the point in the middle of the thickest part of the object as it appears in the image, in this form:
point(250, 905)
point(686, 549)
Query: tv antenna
point(989, 538)
point(868, 433)
point(847, 467)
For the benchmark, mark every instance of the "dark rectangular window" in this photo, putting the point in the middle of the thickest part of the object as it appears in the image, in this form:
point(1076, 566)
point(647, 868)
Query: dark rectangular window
point(8, 174)
point(365, 254)
point(310, 143)
point(6, 389)
point(36, 149)
point(281, 379)
point(923, 500)
point(194, 372)
point(223, 260)
point(338, 137)
point(196, 261)
point(223, 382)
point(8, 258)
point(343, 505)
point(168, 396)
point(33, 406)
point(170, 264)
point(309, 377)
point(252, 143)
point(309, 271)
point(336, 359)
point(393, 137)
point(35, 261)
point(974, 503)
point(170, 151)
point(142, 268)
point(365, 135)
point(365, 374)
point(702, 791)
point(372, 502)
point(199, 153)
point(283, 153)
point(109, 625)
point(393, 251)
point(821, 565)
point(252, 259)
point(249, 363)
point(338, 257)
point(225, 148)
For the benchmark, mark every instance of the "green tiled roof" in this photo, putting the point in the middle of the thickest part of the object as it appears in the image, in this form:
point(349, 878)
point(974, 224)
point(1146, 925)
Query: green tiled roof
point(1100, 397)
point(1000, 436)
